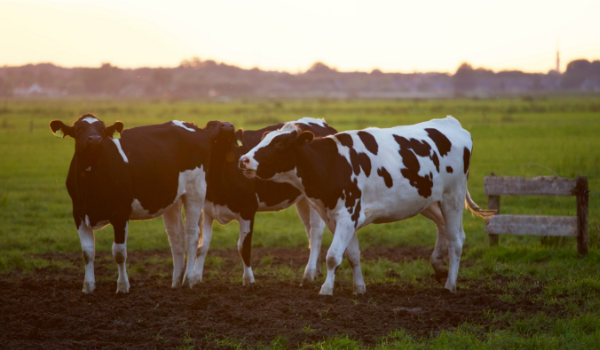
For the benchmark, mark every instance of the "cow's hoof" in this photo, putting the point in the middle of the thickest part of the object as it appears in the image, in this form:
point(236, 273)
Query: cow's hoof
point(452, 289)
point(248, 281)
point(441, 276)
point(122, 289)
point(360, 289)
point(307, 281)
point(309, 276)
point(188, 281)
point(88, 287)
point(326, 290)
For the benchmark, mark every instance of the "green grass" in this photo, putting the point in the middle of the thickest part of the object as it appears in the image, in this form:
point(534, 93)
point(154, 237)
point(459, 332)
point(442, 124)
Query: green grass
point(518, 137)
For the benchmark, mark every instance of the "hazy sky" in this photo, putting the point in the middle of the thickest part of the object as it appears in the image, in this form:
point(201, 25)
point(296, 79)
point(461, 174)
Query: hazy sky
point(402, 36)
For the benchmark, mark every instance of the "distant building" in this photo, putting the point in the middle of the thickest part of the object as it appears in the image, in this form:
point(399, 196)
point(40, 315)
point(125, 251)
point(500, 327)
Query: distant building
point(36, 90)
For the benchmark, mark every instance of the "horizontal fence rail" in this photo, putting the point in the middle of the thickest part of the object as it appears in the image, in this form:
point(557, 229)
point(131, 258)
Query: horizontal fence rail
point(520, 186)
point(561, 226)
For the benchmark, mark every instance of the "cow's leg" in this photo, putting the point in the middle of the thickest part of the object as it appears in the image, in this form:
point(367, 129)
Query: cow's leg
point(343, 234)
point(175, 230)
point(314, 226)
point(119, 251)
point(434, 213)
point(353, 255)
point(193, 210)
point(452, 209)
point(206, 225)
point(245, 249)
point(88, 248)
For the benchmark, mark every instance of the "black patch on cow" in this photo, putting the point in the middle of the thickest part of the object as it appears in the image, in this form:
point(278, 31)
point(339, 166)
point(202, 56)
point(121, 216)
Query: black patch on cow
point(441, 141)
point(327, 175)
point(408, 149)
point(387, 178)
point(356, 214)
point(365, 163)
point(359, 160)
point(316, 129)
point(369, 141)
point(247, 246)
point(466, 158)
point(435, 160)
point(449, 170)
point(345, 140)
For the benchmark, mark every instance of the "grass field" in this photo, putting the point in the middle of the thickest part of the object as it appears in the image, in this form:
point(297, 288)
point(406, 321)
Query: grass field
point(519, 137)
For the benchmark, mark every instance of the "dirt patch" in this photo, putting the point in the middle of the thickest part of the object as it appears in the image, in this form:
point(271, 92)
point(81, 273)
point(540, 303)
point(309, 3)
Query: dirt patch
point(46, 309)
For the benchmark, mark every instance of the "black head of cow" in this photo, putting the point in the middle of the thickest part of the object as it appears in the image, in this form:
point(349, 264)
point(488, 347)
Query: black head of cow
point(89, 133)
point(276, 153)
point(222, 139)
point(219, 131)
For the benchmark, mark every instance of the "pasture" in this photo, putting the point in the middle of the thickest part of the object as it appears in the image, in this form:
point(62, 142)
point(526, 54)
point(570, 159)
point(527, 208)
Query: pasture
point(529, 292)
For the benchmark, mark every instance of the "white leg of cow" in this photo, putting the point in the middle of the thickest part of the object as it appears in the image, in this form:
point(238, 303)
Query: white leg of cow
point(353, 256)
point(245, 249)
point(341, 239)
point(203, 248)
point(88, 247)
point(174, 226)
point(434, 213)
point(119, 251)
point(314, 226)
point(452, 208)
point(193, 210)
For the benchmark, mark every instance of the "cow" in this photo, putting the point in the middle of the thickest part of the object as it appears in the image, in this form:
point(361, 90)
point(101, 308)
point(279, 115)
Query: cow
point(356, 178)
point(232, 196)
point(141, 173)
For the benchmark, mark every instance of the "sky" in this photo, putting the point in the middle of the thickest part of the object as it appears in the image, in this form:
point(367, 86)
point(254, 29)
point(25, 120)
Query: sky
point(285, 35)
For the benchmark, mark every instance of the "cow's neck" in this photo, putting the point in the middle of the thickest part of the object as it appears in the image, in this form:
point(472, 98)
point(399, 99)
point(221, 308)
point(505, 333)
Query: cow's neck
point(219, 167)
point(313, 164)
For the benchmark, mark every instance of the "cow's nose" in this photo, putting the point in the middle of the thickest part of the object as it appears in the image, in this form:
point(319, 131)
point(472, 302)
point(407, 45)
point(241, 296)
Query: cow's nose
point(94, 139)
point(227, 126)
point(244, 162)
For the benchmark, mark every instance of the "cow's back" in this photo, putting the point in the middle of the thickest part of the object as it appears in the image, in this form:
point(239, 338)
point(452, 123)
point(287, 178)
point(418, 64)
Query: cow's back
point(156, 156)
point(400, 171)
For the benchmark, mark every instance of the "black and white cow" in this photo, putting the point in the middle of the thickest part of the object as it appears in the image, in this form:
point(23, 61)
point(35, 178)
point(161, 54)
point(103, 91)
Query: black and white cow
point(356, 178)
point(150, 171)
point(232, 196)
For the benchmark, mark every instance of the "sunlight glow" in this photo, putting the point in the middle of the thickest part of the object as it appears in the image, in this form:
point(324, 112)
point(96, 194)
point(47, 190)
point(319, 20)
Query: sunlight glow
point(402, 36)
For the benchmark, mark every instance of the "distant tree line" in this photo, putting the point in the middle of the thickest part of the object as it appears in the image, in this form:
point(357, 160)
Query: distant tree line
point(196, 78)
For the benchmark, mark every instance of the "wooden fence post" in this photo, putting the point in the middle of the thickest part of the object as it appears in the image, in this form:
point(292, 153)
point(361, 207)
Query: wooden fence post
point(494, 203)
point(582, 214)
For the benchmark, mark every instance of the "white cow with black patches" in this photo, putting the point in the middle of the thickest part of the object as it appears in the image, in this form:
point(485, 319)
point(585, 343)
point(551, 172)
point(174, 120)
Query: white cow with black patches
point(150, 171)
point(356, 178)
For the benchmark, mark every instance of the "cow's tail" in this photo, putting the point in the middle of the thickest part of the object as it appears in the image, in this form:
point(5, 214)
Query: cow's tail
point(475, 209)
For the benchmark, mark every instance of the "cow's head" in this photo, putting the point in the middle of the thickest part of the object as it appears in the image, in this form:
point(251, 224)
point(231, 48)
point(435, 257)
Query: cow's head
point(276, 153)
point(89, 133)
point(220, 132)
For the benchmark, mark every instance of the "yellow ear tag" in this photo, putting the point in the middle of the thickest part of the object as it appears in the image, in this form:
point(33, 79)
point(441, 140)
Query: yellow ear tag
point(239, 143)
point(59, 133)
point(116, 135)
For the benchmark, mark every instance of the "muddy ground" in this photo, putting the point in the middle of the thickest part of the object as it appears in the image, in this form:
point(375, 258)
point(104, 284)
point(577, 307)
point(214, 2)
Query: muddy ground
point(46, 309)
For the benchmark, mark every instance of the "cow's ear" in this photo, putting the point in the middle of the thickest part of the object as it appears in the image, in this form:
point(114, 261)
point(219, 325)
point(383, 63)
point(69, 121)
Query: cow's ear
point(60, 130)
point(304, 138)
point(115, 130)
point(239, 136)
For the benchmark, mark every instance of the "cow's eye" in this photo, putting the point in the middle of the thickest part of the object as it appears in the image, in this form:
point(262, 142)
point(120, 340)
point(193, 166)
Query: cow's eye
point(279, 144)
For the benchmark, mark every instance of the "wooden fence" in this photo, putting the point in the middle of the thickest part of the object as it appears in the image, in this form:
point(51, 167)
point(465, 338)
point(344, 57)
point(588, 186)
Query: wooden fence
point(563, 226)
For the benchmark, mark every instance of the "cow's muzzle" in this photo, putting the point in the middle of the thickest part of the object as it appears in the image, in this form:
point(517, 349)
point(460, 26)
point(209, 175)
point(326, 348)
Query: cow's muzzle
point(244, 165)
